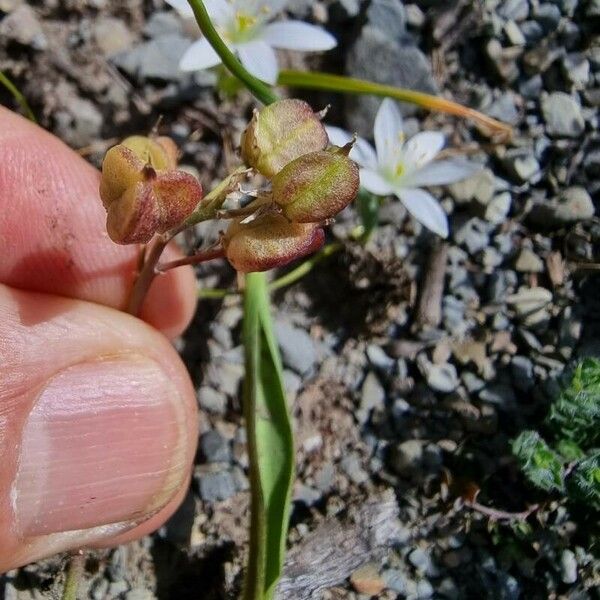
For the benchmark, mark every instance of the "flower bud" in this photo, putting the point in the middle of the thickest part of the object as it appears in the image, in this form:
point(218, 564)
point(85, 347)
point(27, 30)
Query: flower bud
point(280, 133)
point(316, 186)
point(269, 241)
point(143, 192)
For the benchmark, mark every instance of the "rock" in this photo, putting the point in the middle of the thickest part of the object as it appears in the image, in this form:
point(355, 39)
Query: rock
point(139, 594)
point(292, 384)
point(593, 8)
point(576, 69)
point(324, 477)
point(491, 258)
point(214, 487)
point(305, 494)
point(514, 34)
point(442, 378)
point(498, 208)
point(379, 359)
point(516, 10)
point(163, 23)
point(156, 59)
point(500, 394)
point(479, 187)
point(503, 60)
point(395, 580)
point(214, 447)
point(528, 300)
point(421, 560)
point(415, 17)
point(424, 589)
point(111, 35)
point(522, 372)
point(79, 123)
point(211, 400)
point(387, 16)
point(547, 15)
point(531, 88)
point(297, 347)
point(473, 234)
point(366, 580)
point(529, 262)
point(22, 26)
point(406, 458)
point(504, 109)
point(377, 57)
point(574, 204)
point(372, 396)
point(522, 165)
point(352, 467)
point(568, 567)
point(562, 115)
point(224, 375)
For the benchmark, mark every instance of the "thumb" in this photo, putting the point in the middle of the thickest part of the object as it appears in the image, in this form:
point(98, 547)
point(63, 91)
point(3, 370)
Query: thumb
point(98, 426)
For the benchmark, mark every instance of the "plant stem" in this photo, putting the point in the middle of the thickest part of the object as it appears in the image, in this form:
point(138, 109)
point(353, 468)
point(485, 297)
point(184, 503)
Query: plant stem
point(194, 259)
point(341, 83)
point(18, 96)
point(74, 573)
point(259, 89)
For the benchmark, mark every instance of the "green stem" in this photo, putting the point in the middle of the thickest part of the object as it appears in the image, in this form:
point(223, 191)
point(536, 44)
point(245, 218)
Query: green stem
point(341, 83)
point(259, 89)
point(74, 573)
point(18, 96)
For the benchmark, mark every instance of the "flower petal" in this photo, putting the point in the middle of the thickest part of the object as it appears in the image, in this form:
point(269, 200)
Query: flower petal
point(373, 182)
point(362, 152)
point(260, 59)
point(423, 148)
point(388, 133)
point(441, 172)
point(296, 35)
point(425, 209)
point(200, 55)
point(220, 11)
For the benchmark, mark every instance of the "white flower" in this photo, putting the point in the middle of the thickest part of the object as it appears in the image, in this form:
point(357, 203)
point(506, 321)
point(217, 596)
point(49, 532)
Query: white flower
point(401, 168)
point(245, 28)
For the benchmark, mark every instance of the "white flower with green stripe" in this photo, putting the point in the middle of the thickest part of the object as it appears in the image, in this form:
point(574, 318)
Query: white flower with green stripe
point(246, 27)
point(401, 168)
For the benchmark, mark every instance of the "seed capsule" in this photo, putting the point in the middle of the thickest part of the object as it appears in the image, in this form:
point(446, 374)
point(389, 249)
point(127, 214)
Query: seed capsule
point(280, 133)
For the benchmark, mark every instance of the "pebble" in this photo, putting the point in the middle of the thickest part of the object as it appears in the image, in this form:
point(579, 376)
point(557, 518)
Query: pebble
point(499, 394)
point(22, 26)
point(379, 359)
point(352, 467)
point(395, 580)
point(572, 205)
point(517, 10)
point(424, 589)
point(547, 15)
point(529, 262)
point(214, 487)
point(214, 447)
point(366, 580)
point(498, 208)
point(568, 567)
point(298, 350)
point(522, 372)
point(80, 122)
point(211, 400)
point(522, 165)
point(112, 35)
point(139, 594)
point(473, 234)
point(576, 69)
point(387, 16)
point(422, 561)
point(528, 300)
point(562, 115)
point(442, 378)
point(479, 187)
point(406, 458)
point(372, 396)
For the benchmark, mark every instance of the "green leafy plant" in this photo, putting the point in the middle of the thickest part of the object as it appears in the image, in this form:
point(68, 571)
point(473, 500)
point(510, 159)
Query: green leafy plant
point(570, 463)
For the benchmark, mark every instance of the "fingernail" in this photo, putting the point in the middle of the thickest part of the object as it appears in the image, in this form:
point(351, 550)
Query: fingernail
point(104, 443)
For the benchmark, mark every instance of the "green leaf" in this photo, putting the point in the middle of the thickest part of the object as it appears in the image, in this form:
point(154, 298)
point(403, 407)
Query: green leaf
point(583, 484)
point(540, 464)
point(270, 443)
point(18, 96)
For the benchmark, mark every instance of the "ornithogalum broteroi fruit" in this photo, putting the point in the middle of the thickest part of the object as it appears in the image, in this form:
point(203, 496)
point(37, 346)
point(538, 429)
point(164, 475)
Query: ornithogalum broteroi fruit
point(269, 241)
point(142, 190)
point(280, 133)
point(316, 186)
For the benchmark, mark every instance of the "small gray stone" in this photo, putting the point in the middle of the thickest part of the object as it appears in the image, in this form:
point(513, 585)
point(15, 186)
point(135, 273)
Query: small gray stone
point(576, 69)
point(522, 165)
point(473, 234)
point(522, 371)
point(162, 23)
point(306, 494)
point(547, 15)
point(442, 378)
point(562, 115)
point(532, 87)
point(528, 300)
point(498, 208)
point(573, 205)
point(479, 187)
point(395, 581)
point(514, 34)
point(421, 561)
point(568, 567)
point(388, 16)
point(211, 400)
point(297, 347)
point(80, 123)
point(372, 396)
point(224, 375)
point(352, 467)
point(504, 109)
point(532, 31)
point(22, 26)
point(529, 262)
point(112, 35)
point(379, 359)
point(117, 588)
point(491, 258)
point(472, 382)
point(424, 589)
point(214, 487)
point(593, 8)
point(499, 394)
point(139, 594)
point(214, 447)
point(324, 477)
point(98, 589)
point(292, 384)
point(517, 10)
point(406, 458)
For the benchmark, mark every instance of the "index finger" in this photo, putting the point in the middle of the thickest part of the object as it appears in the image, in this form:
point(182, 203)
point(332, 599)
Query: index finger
point(52, 231)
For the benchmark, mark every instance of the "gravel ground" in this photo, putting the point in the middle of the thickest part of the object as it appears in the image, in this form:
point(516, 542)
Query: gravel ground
point(410, 364)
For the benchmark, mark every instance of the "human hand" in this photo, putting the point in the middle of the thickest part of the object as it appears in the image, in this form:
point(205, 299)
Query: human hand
point(98, 421)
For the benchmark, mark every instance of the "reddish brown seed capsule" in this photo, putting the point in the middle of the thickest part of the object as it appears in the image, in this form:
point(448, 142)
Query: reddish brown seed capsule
point(143, 192)
point(269, 241)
